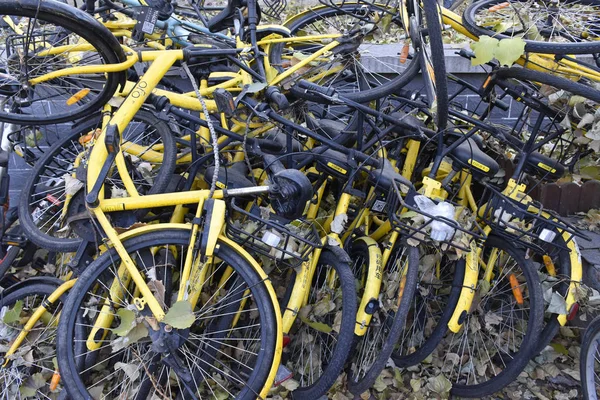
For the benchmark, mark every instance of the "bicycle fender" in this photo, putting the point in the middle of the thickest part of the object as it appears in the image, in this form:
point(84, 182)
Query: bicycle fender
point(372, 286)
point(214, 220)
point(576, 275)
point(467, 293)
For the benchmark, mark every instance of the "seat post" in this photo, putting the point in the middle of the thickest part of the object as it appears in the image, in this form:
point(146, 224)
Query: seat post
point(252, 24)
point(527, 148)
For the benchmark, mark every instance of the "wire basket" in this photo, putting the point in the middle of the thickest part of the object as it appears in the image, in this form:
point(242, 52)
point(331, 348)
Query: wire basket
point(24, 44)
point(525, 221)
point(273, 8)
point(288, 243)
point(402, 211)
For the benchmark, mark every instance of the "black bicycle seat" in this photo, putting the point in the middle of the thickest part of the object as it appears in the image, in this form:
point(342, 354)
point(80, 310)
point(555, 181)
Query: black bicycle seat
point(333, 130)
point(229, 178)
point(544, 166)
point(281, 138)
point(469, 155)
point(224, 19)
point(405, 122)
point(333, 163)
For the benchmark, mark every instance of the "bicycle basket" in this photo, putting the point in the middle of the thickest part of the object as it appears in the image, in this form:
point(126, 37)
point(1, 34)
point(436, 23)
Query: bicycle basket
point(23, 44)
point(525, 221)
point(288, 243)
point(413, 223)
point(273, 8)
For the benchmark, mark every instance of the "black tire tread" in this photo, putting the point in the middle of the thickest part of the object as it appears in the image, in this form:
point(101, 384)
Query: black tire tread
point(551, 80)
point(339, 260)
point(360, 386)
point(71, 244)
point(94, 270)
point(532, 46)
point(534, 328)
point(87, 27)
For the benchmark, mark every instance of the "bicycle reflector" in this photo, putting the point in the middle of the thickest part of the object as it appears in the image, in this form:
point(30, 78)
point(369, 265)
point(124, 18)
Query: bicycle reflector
point(112, 138)
point(573, 312)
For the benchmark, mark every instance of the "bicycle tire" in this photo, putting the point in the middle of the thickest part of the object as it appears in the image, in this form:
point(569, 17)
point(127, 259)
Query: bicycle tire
point(563, 269)
point(423, 349)
point(172, 238)
point(359, 384)
point(9, 258)
point(516, 360)
point(92, 31)
point(438, 63)
point(51, 167)
point(42, 287)
point(588, 359)
point(216, 330)
point(532, 46)
point(382, 88)
point(338, 260)
point(551, 80)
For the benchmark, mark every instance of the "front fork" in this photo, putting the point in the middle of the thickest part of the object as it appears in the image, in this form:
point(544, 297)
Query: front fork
point(576, 275)
point(472, 273)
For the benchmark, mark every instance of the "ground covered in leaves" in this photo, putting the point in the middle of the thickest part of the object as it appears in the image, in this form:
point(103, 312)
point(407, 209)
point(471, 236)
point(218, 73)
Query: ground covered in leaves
point(552, 375)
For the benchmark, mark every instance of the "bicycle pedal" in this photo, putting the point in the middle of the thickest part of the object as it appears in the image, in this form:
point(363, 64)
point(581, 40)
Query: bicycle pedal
point(38, 264)
point(225, 102)
point(282, 375)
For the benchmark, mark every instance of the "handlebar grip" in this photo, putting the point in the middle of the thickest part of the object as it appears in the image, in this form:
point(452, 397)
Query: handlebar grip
point(466, 53)
point(501, 105)
point(307, 86)
point(276, 97)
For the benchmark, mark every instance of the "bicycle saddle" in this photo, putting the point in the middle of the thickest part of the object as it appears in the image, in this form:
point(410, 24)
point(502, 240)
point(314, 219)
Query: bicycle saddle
point(224, 19)
point(382, 178)
point(332, 162)
point(543, 166)
point(229, 178)
point(405, 122)
point(469, 155)
point(281, 138)
point(332, 129)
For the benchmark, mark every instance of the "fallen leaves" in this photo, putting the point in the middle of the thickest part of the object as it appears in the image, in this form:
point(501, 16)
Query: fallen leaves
point(127, 322)
point(180, 315)
point(506, 51)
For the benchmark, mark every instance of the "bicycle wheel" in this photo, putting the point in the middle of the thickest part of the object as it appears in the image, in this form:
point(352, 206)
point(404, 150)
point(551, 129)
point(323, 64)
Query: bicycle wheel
point(31, 371)
point(42, 37)
point(428, 39)
point(120, 362)
point(321, 337)
point(52, 207)
point(551, 80)
point(499, 334)
point(588, 362)
point(359, 69)
point(569, 27)
point(438, 289)
point(561, 262)
point(373, 349)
